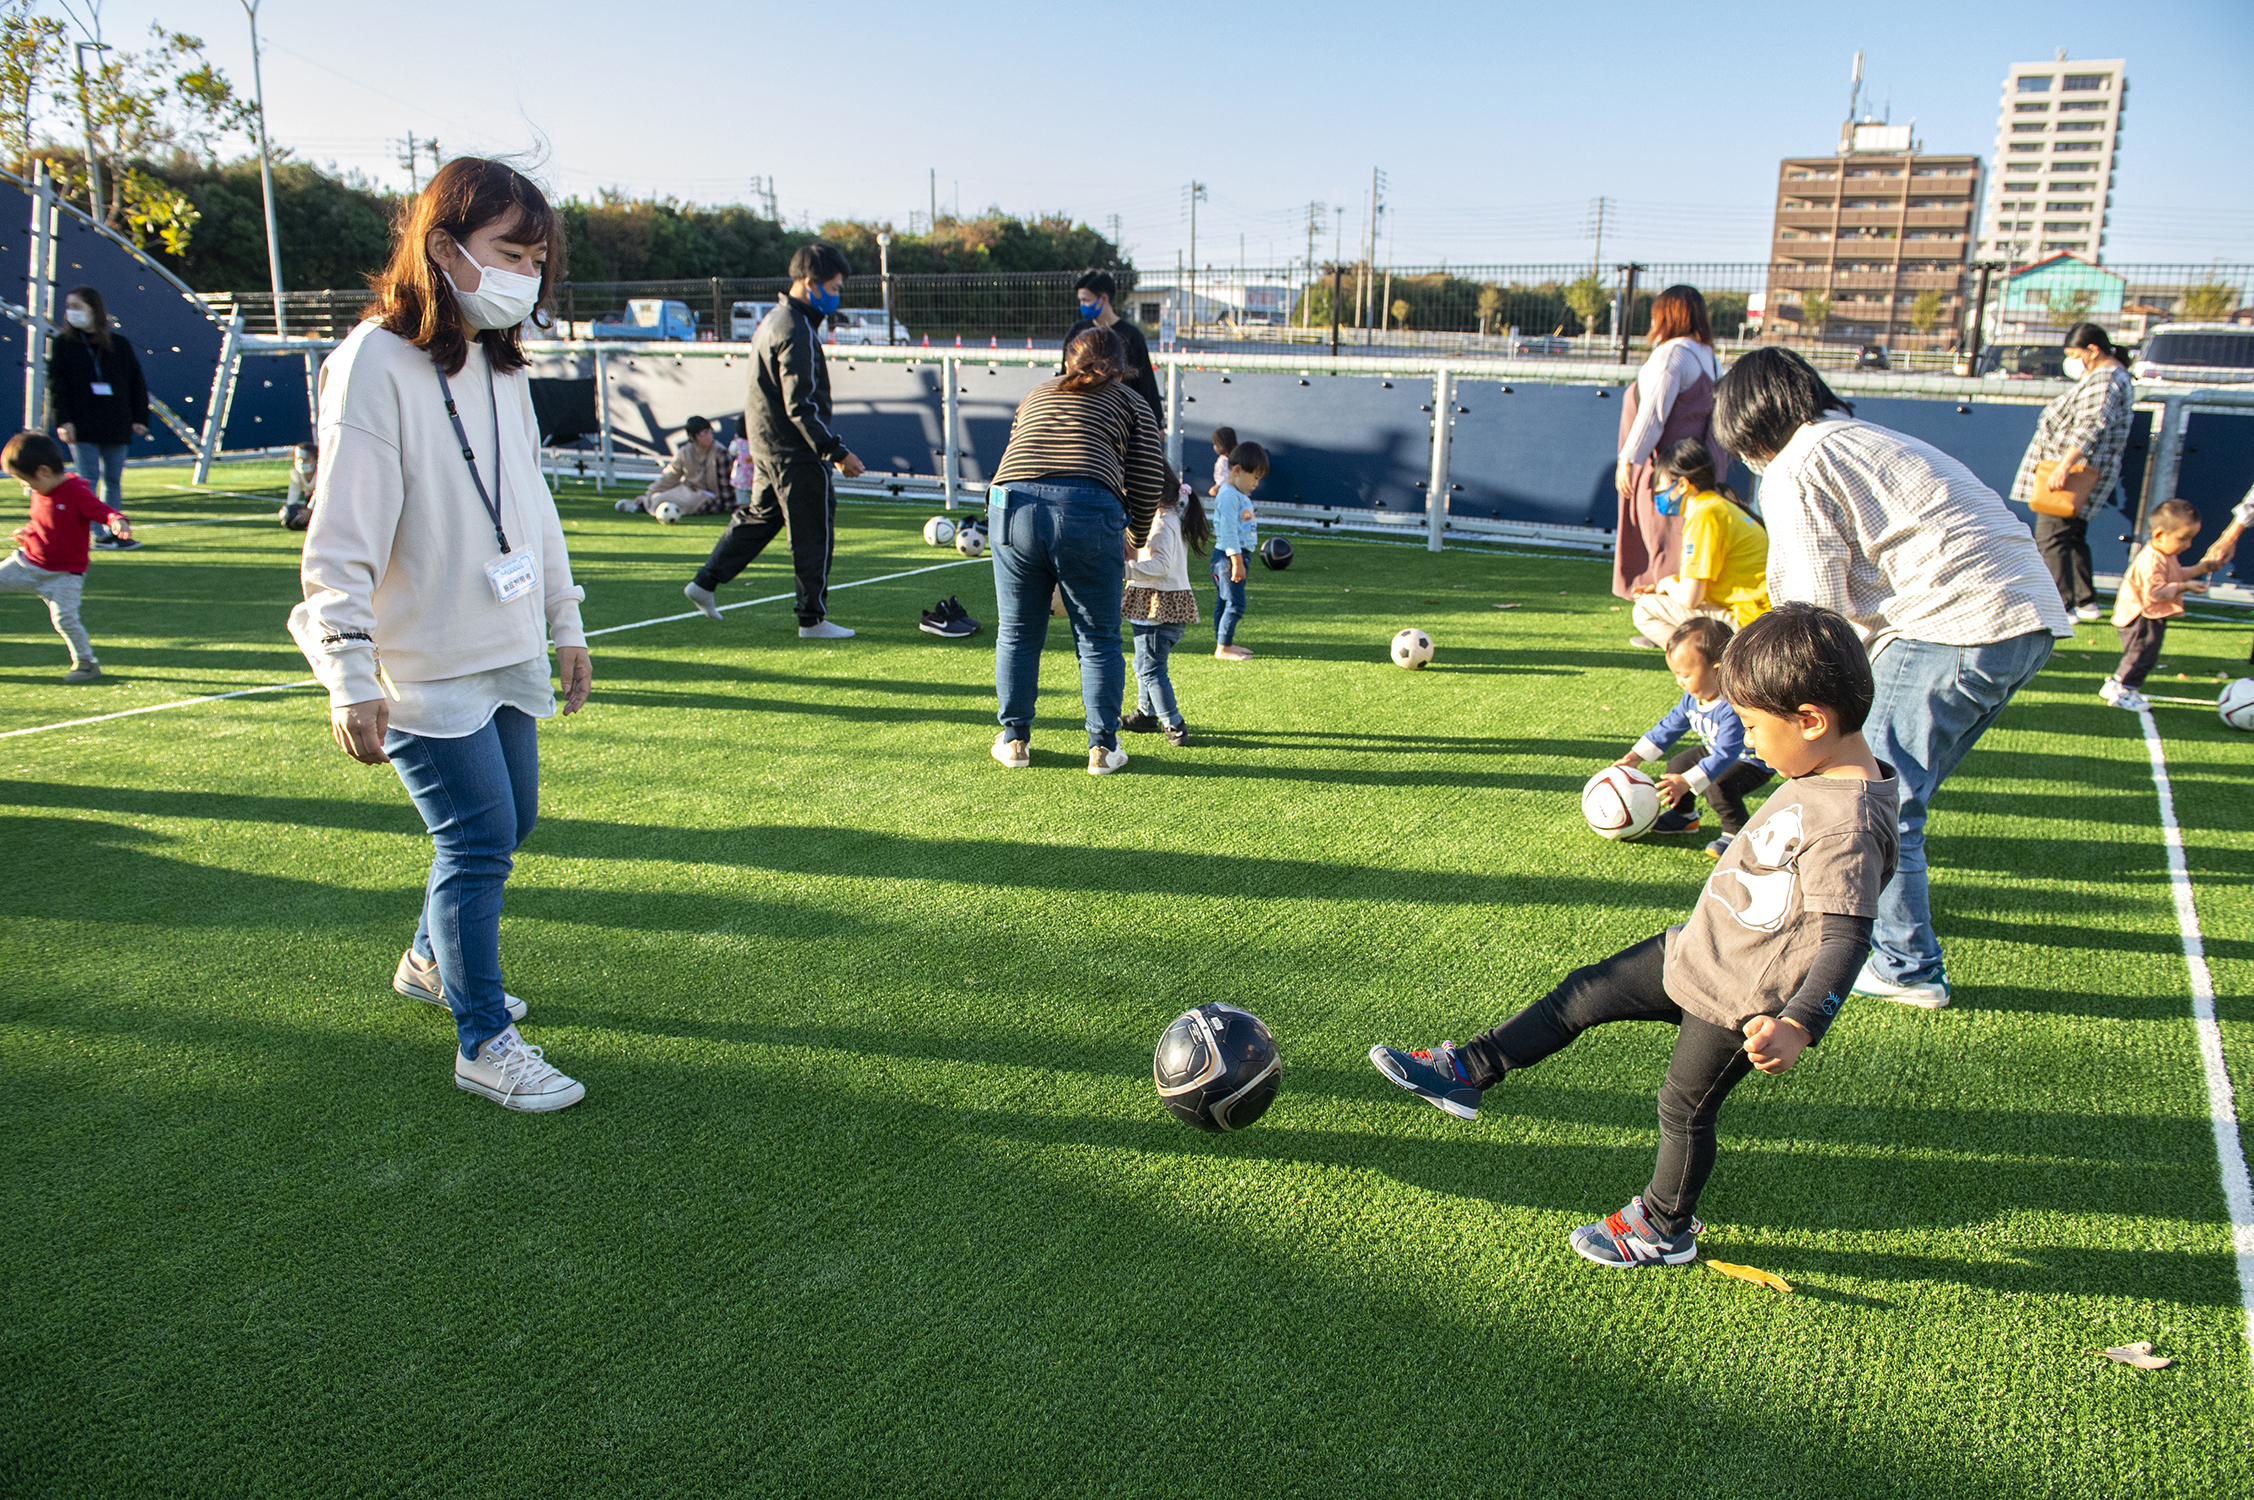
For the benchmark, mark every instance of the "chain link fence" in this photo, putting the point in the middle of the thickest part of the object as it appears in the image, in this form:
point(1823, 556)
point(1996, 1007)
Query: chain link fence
point(1833, 313)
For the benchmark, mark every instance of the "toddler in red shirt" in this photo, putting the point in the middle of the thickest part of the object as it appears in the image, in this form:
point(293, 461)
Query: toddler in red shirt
point(50, 555)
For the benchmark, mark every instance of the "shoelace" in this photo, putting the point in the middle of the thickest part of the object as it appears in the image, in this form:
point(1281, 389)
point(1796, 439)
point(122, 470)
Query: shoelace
point(523, 1065)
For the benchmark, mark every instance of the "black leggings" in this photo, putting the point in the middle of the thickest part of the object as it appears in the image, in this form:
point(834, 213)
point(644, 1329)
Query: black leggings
point(1707, 1063)
point(1726, 795)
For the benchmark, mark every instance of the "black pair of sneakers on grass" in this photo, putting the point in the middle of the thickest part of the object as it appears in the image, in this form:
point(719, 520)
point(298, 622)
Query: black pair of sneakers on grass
point(949, 619)
point(1140, 722)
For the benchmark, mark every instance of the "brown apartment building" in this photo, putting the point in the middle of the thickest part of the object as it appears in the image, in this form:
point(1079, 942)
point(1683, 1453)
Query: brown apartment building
point(1863, 236)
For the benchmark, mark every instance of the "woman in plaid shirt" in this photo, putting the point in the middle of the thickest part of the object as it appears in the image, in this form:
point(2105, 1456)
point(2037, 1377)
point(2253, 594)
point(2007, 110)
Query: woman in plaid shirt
point(2088, 427)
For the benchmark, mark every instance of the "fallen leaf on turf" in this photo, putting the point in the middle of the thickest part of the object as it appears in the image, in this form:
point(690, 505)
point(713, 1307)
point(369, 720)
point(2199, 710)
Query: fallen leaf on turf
point(1753, 1274)
point(2138, 1354)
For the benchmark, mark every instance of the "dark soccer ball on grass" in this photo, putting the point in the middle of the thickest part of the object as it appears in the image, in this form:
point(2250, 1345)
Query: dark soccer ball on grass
point(1276, 553)
point(1217, 1067)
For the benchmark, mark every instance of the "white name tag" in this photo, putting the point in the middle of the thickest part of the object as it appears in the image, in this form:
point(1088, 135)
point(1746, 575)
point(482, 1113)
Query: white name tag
point(512, 576)
point(100, 388)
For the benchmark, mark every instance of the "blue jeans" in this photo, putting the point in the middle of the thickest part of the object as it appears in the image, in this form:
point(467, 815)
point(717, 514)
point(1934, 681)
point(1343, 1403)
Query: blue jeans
point(1049, 537)
point(1154, 690)
point(478, 796)
point(1228, 599)
point(102, 466)
point(1933, 703)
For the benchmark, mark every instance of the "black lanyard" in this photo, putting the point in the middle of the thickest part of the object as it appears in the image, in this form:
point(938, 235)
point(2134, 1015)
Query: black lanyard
point(492, 501)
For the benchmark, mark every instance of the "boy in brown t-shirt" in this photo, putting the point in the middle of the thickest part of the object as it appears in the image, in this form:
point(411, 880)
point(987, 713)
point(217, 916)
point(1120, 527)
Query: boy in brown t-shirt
point(1757, 972)
point(2152, 593)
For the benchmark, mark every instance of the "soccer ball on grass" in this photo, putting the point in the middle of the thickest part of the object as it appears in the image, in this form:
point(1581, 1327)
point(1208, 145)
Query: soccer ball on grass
point(1412, 649)
point(666, 513)
point(2236, 704)
point(970, 539)
point(939, 531)
point(1217, 1067)
point(1620, 802)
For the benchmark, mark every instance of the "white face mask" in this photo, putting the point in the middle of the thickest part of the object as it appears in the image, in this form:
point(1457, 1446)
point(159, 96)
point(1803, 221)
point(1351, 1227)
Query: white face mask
point(78, 317)
point(501, 299)
point(2073, 367)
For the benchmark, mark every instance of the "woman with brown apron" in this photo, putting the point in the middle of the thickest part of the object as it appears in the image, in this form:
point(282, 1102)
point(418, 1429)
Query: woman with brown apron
point(1672, 399)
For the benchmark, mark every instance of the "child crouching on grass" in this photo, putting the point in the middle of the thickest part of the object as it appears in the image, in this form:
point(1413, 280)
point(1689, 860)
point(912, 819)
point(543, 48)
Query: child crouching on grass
point(50, 555)
point(1160, 605)
point(2152, 593)
point(1757, 972)
point(1721, 770)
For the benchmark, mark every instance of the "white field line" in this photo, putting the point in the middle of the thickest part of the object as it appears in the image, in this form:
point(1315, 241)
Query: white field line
point(305, 682)
point(2238, 1194)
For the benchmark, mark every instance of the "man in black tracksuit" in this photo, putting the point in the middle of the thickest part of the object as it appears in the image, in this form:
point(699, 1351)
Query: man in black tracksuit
point(787, 419)
point(1095, 292)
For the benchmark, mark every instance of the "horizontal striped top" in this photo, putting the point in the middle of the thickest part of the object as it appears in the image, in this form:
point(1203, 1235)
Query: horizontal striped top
point(1106, 436)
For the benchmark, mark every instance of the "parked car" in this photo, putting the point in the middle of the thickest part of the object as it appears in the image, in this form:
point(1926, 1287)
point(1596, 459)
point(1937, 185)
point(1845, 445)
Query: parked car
point(1539, 343)
point(744, 319)
point(863, 325)
point(2196, 354)
point(650, 320)
point(2023, 362)
point(1872, 357)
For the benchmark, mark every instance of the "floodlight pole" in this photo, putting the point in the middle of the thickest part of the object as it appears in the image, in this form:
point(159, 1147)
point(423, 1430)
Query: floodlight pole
point(266, 172)
point(86, 117)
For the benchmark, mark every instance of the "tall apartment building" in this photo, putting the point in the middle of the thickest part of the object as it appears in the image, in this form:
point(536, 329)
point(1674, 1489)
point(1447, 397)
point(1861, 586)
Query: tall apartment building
point(1871, 243)
point(2058, 137)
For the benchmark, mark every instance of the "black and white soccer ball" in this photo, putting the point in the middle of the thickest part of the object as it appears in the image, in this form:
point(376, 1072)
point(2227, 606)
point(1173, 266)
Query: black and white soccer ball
point(970, 539)
point(1412, 649)
point(1217, 1067)
point(295, 516)
point(1276, 553)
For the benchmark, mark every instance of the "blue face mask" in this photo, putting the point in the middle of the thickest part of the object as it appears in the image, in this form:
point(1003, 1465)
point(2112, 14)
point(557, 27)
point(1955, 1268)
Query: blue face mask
point(1669, 501)
point(1089, 310)
point(822, 302)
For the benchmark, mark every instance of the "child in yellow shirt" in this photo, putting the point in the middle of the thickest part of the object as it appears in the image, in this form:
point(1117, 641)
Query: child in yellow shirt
point(1724, 560)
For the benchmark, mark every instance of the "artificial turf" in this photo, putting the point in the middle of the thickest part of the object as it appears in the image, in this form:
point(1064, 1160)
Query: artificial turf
point(870, 1192)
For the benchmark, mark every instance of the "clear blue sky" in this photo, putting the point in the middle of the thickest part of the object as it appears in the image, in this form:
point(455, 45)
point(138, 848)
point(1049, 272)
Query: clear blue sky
point(1496, 125)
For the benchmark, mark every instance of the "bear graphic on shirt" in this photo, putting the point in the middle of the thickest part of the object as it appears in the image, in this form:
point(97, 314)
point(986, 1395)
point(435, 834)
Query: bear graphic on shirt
point(1759, 893)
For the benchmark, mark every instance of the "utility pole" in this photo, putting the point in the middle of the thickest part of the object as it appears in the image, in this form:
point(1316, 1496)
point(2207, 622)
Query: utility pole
point(410, 159)
point(1194, 194)
point(86, 114)
point(884, 269)
point(1598, 209)
point(1627, 303)
point(1314, 227)
point(266, 171)
point(1335, 289)
point(935, 197)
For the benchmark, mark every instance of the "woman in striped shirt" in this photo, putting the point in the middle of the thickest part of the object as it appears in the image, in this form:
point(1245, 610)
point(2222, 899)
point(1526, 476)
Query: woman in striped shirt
point(1082, 478)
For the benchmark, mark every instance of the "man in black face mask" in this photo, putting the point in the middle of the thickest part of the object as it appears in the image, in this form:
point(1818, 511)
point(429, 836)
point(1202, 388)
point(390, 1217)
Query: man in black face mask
point(1095, 292)
point(787, 418)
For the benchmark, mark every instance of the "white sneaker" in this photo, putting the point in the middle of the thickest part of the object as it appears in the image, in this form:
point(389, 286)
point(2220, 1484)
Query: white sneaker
point(1103, 762)
point(703, 599)
point(2088, 612)
point(1015, 754)
point(2132, 700)
point(511, 1072)
point(419, 981)
point(1925, 994)
point(627, 507)
point(826, 631)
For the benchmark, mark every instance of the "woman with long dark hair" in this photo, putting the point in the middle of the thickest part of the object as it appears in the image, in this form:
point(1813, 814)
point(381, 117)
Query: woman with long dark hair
point(1935, 573)
point(435, 576)
point(99, 399)
point(1672, 399)
point(1079, 484)
point(2079, 441)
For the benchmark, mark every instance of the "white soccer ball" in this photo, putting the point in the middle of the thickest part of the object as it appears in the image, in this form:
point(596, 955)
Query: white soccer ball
point(1620, 803)
point(2236, 704)
point(1412, 649)
point(939, 531)
point(970, 541)
point(666, 513)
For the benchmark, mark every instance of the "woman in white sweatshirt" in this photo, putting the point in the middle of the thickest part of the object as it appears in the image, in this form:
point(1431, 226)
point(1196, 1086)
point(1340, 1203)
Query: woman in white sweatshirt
point(435, 577)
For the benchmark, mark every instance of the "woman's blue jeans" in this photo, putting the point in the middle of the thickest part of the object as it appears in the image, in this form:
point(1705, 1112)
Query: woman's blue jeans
point(1933, 703)
point(1154, 690)
point(1228, 599)
point(102, 466)
point(1049, 537)
point(478, 796)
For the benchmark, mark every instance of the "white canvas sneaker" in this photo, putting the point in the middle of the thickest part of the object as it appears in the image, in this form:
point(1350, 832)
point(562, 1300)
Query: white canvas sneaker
point(512, 1073)
point(419, 981)
point(1925, 994)
point(826, 630)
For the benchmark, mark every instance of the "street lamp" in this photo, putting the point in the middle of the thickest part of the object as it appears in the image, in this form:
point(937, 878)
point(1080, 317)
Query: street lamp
point(86, 116)
point(884, 270)
point(266, 171)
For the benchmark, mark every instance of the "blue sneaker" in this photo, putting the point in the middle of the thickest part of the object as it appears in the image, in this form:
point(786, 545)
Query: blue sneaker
point(1433, 1074)
point(1682, 819)
point(1628, 1239)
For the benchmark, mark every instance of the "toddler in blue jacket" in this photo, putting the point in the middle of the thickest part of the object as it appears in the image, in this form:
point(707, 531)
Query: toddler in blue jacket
point(1236, 536)
point(1719, 768)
